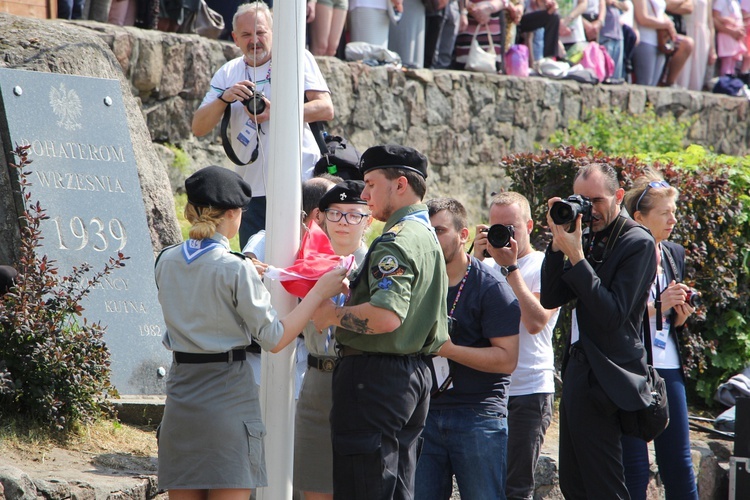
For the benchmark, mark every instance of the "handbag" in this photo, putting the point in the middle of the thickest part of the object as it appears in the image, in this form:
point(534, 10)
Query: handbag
point(479, 59)
point(204, 21)
point(650, 421)
point(647, 423)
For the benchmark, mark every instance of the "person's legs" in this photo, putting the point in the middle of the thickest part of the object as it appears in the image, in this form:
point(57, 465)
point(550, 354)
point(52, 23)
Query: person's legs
point(321, 29)
point(477, 442)
point(253, 219)
point(677, 61)
point(551, 24)
point(590, 438)
point(448, 34)
point(635, 461)
point(673, 445)
point(529, 416)
point(614, 49)
point(434, 470)
point(379, 408)
point(648, 64)
point(433, 28)
point(64, 9)
point(338, 20)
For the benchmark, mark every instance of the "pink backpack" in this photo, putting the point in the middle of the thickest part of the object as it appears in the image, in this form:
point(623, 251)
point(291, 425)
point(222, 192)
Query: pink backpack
point(597, 59)
point(517, 60)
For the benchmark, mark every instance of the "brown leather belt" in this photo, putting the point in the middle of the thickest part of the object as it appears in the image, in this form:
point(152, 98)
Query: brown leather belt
point(322, 364)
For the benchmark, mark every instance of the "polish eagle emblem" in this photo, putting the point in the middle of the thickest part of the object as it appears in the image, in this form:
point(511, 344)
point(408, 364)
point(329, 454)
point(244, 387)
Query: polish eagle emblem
point(67, 107)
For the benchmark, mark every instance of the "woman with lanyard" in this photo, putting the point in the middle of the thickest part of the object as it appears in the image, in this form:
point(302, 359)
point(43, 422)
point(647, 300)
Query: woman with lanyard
point(214, 304)
point(652, 203)
point(345, 220)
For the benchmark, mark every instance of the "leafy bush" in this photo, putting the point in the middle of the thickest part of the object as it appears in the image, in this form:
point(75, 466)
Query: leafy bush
point(713, 229)
point(55, 370)
point(621, 133)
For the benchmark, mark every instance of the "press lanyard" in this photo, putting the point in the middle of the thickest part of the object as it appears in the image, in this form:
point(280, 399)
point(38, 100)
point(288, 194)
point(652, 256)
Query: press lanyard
point(267, 79)
point(460, 289)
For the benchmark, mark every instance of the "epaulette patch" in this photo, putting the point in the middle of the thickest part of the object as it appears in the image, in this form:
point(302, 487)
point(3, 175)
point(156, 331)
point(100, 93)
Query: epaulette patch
point(238, 254)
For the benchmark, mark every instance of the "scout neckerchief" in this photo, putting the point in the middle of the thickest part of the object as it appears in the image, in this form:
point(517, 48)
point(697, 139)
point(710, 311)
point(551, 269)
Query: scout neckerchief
point(193, 249)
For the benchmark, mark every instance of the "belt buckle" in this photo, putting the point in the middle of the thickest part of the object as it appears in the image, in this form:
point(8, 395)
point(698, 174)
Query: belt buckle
point(327, 365)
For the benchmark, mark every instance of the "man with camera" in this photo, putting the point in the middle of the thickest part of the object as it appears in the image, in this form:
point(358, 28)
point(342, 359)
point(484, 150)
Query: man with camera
point(466, 432)
point(608, 271)
point(244, 85)
point(532, 387)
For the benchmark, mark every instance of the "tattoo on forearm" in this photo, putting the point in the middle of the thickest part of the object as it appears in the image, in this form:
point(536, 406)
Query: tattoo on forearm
point(355, 324)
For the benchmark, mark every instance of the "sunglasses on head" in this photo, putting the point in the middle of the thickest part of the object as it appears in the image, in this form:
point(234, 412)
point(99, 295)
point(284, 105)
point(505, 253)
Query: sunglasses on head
point(652, 184)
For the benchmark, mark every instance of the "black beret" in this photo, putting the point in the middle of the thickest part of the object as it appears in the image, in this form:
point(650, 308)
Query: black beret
point(393, 156)
point(217, 187)
point(347, 192)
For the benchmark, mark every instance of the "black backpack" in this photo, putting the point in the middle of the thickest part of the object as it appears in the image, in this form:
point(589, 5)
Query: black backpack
point(338, 156)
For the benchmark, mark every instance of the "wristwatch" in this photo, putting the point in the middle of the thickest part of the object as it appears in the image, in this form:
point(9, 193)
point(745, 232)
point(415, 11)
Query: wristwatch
point(505, 271)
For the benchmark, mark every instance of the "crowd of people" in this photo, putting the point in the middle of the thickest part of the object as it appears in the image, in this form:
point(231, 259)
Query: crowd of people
point(679, 43)
point(433, 363)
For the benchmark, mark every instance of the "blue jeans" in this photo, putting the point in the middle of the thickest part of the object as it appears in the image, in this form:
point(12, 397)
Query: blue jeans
point(529, 417)
point(468, 443)
point(672, 449)
point(614, 49)
point(253, 219)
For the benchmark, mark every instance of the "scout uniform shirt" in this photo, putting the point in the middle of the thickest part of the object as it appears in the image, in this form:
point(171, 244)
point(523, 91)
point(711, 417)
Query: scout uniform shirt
point(405, 273)
point(234, 305)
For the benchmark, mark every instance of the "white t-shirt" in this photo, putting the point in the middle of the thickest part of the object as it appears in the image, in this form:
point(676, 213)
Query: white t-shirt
point(371, 4)
point(576, 25)
point(657, 8)
point(535, 372)
point(664, 353)
point(242, 130)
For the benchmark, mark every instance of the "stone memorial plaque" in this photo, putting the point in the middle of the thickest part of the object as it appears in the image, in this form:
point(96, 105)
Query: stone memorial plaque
point(84, 175)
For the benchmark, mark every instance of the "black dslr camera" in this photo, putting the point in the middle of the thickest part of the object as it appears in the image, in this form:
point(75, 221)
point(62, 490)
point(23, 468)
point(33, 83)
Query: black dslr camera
point(499, 236)
point(694, 298)
point(565, 211)
point(255, 104)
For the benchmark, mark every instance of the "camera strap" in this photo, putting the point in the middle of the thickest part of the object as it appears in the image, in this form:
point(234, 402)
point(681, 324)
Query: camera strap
point(672, 264)
point(227, 143)
point(608, 242)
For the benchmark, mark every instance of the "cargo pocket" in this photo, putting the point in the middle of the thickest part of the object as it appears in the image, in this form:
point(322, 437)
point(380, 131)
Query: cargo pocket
point(363, 463)
point(255, 432)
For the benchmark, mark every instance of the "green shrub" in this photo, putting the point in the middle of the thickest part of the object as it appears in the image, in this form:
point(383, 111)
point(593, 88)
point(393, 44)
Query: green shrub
point(54, 370)
point(621, 133)
point(713, 229)
point(181, 160)
point(180, 200)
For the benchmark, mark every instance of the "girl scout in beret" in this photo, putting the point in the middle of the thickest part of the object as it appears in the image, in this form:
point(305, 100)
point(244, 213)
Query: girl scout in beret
point(214, 305)
point(345, 218)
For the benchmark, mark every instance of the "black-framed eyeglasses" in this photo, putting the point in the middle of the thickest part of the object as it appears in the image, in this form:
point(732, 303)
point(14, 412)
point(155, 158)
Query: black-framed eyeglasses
point(352, 218)
point(652, 184)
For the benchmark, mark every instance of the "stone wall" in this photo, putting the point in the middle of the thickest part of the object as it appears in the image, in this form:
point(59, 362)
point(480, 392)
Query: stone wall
point(464, 122)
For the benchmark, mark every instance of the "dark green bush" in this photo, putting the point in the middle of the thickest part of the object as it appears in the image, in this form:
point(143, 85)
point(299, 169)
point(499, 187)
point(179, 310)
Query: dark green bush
point(713, 229)
point(54, 368)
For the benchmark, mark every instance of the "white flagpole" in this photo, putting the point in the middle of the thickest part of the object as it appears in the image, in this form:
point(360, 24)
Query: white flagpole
point(284, 199)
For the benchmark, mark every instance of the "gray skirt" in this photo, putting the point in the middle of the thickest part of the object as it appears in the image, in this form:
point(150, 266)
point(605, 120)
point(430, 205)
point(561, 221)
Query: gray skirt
point(313, 452)
point(211, 435)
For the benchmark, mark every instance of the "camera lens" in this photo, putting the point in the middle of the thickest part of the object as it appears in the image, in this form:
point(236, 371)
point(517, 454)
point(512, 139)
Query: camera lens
point(563, 212)
point(255, 104)
point(694, 299)
point(499, 235)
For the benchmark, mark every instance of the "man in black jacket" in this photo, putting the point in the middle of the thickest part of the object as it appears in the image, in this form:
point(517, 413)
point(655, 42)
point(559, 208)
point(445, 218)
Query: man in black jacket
point(608, 271)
